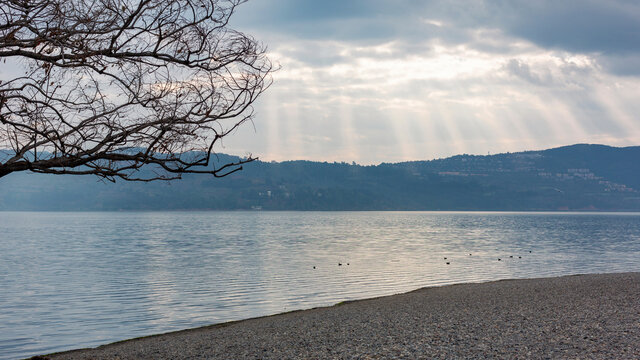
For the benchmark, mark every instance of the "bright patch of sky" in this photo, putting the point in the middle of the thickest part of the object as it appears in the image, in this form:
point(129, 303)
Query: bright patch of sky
point(384, 81)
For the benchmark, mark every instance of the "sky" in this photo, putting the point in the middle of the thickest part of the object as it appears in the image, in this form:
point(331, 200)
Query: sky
point(376, 81)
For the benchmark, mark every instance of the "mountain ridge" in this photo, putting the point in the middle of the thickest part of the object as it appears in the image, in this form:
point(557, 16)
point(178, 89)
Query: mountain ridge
point(573, 177)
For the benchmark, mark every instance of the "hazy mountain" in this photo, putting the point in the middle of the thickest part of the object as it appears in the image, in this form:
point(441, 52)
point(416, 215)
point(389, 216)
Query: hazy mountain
point(578, 177)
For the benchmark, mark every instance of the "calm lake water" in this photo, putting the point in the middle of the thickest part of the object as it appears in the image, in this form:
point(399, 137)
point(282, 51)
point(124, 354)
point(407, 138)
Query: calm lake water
point(70, 280)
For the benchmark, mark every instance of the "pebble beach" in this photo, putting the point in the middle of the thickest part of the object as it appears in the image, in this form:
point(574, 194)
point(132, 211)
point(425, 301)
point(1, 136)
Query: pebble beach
point(580, 316)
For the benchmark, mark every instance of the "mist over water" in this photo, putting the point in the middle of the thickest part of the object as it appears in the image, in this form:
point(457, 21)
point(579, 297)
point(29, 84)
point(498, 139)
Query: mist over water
point(74, 280)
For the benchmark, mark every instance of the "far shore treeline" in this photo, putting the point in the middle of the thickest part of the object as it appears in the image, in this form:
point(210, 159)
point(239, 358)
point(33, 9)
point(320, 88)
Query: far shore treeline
point(578, 177)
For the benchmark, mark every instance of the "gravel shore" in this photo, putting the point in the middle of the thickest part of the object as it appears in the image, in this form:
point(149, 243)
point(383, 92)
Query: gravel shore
point(580, 316)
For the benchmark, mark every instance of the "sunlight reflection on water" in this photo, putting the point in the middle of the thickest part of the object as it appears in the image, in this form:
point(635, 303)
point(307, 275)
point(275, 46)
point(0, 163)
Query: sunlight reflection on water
point(73, 280)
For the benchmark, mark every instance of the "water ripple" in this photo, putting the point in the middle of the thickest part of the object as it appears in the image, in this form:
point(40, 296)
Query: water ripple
point(73, 280)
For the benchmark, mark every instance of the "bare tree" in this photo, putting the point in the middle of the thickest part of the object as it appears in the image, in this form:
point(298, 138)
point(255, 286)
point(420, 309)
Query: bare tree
point(110, 86)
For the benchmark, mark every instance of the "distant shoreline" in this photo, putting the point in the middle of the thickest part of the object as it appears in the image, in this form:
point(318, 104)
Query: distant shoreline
point(552, 212)
point(579, 177)
point(573, 316)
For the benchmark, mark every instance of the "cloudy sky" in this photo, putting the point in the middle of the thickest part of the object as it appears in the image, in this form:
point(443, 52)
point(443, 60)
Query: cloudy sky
point(390, 80)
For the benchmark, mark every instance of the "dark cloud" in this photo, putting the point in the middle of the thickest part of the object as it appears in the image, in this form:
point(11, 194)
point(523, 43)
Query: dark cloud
point(609, 29)
point(622, 64)
point(577, 25)
point(360, 21)
point(292, 11)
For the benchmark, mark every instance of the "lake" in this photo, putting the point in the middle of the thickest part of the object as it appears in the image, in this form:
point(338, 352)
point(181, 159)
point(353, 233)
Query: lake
point(70, 280)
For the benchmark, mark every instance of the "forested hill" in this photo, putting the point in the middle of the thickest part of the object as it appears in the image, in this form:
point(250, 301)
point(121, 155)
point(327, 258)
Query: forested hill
point(578, 177)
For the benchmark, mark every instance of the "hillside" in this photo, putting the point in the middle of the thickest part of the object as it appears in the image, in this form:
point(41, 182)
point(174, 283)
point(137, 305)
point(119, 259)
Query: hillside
point(577, 177)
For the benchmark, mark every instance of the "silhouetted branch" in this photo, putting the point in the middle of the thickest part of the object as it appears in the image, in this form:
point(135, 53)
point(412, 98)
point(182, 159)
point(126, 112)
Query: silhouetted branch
point(111, 86)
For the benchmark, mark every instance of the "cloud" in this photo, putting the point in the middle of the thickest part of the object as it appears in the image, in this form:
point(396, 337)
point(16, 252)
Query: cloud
point(354, 21)
point(622, 64)
point(377, 80)
point(608, 27)
point(553, 70)
point(604, 27)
